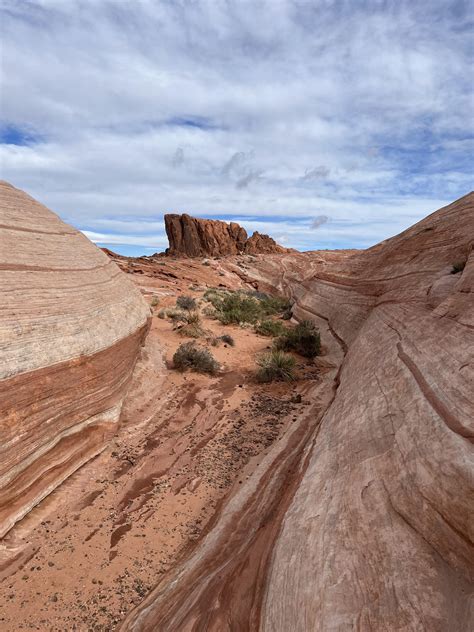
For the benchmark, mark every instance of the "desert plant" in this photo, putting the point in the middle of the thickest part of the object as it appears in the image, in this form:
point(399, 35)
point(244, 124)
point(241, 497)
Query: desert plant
point(177, 315)
point(228, 340)
point(155, 301)
point(192, 327)
point(190, 356)
point(270, 327)
point(162, 313)
point(458, 267)
point(275, 365)
point(186, 302)
point(237, 308)
point(304, 339)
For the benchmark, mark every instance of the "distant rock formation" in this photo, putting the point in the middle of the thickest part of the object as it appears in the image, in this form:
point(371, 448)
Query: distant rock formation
point(192, 237)
point(71, 325)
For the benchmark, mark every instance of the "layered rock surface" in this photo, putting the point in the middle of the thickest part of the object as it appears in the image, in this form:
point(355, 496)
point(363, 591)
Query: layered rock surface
point(192, 237)
point(361, 517)
point(71, 326)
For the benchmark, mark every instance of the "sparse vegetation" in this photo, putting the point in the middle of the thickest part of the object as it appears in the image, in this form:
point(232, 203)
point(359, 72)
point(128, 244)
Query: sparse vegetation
point(162, 313)
point(155, 301)
point(190, 356)
point(228, 340)
point(192, 327)
point(186, 302)
point(242, 307)
point(269, 327)
point(275, 365)
point(177, 315)
point(304, 339)
point(458, 267)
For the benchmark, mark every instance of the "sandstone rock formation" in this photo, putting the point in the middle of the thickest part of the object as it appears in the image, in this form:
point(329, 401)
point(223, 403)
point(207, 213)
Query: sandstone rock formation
point(262, 244)
point(71, 326)
point(361, 517)
point(192, 237)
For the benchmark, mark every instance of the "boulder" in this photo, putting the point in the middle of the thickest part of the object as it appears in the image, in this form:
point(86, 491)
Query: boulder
point(71, 326)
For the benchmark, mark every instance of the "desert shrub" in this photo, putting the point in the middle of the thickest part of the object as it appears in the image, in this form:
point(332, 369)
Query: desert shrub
point(177, 315)
point(191, 331)
point(209, 311)
point(274, 305)
point(162, 313)
point(304, 339)
point(186, 302)
point(190, 356)
point(193, 318)
point(228, 340)
point(192, 327)
point(243, 306)
point(458, 267)
point(270, 327)
point(155, 301)
point(275, 365)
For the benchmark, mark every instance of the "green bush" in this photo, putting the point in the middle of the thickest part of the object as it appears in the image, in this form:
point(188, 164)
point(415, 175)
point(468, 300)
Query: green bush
point(162, 313)
point(458, 267)
point(190, 356)
point(236, 309)
point(186, 302)
point(243, 306)
point(155, 301)
point(275, 365)
point(275, 305)
point(270, 327)
point(304, 339)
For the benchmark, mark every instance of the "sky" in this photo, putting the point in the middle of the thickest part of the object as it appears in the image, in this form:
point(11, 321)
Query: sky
point(326, 124)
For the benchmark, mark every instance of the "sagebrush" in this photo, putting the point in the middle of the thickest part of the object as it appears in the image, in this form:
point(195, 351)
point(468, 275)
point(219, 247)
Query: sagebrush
point(190, 356)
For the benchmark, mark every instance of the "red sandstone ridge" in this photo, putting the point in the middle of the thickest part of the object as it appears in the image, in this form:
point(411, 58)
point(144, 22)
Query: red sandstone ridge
point(71, 327)
point(360, 518)
point(192, 237)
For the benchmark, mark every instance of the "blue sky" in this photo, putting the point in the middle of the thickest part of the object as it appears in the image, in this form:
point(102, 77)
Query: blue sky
point(326, 124)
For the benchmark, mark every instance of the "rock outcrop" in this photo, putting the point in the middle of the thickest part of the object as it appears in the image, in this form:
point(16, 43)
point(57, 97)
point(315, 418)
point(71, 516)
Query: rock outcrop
point(262, 244)
point(192, 237)
point(71, 326)
point(361, 517)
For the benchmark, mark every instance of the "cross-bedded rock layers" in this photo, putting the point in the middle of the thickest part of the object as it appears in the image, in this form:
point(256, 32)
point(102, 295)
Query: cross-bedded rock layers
point(71, 325)
point(366, 523)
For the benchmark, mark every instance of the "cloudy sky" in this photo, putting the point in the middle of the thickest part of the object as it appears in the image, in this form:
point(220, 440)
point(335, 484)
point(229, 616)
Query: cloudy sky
point(326, 124)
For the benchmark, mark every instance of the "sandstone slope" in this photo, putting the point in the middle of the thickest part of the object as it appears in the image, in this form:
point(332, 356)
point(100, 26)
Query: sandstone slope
point(70, 330)
point(360, 518)
point(192, 237)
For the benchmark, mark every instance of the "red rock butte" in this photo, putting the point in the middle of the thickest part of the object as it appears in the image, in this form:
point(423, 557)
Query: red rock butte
point(192, 237)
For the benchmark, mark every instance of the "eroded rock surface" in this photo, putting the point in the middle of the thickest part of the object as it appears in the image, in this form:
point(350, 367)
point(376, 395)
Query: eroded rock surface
point(192, 237)
point(360, 518)
point(71, 326)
